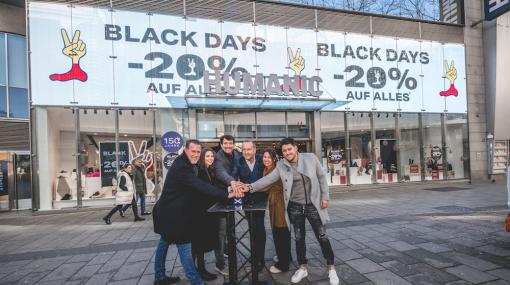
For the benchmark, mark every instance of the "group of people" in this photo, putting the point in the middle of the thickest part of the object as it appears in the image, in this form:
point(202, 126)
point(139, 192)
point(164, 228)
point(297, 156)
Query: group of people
point(294, 187)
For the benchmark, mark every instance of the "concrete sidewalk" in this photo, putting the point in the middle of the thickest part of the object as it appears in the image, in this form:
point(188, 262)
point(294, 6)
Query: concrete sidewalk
point(449, 233)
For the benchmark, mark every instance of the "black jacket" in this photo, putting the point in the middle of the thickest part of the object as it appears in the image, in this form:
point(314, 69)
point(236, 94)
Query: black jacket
point(224, 163)
point(173, 213)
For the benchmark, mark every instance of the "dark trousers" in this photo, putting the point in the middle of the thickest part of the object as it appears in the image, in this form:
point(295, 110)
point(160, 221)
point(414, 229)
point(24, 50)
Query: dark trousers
point(297, 215)
point(259, 235)
point(118, 207)
point(281, 237)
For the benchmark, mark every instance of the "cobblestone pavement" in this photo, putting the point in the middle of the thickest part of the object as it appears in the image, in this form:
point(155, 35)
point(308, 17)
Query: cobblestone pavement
point(409, 234)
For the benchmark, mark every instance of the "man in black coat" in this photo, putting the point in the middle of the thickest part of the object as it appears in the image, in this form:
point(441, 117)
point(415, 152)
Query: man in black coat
point(173, 212)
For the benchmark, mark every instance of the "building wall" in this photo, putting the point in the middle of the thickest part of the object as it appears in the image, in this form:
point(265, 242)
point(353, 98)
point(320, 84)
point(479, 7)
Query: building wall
point(12, 19)
point(473, 40)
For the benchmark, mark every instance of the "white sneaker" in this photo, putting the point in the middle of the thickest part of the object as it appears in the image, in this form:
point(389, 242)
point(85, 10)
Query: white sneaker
point(223, 272)
point(333, 278)
point(299, 275)
point(275, 258)
point(275, 270)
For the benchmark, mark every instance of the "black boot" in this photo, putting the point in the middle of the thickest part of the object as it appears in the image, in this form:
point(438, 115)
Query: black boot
point(135, 211)
point(206, 276)
point(107, 218)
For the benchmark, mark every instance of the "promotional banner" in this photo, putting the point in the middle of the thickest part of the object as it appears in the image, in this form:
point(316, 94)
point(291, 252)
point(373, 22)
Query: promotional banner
point(4, 189)
point(108, 161)
point(96, 57)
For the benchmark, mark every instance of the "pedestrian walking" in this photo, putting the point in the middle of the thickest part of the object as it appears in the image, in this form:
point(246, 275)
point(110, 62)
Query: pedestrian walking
point(125, 194)
point(140, 183)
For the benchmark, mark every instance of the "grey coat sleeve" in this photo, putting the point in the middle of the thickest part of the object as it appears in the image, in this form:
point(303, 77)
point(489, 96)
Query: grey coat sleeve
point(221, 171)
point(266, 181)
point(321, 177)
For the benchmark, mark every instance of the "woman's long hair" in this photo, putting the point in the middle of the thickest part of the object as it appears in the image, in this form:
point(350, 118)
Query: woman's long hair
point(272, 153)
point(201, 162)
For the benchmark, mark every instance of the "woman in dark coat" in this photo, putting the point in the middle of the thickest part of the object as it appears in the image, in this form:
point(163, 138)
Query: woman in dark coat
point(205, 238)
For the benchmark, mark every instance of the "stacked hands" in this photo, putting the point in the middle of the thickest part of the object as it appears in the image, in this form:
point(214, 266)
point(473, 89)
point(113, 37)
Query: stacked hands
point(237, 189)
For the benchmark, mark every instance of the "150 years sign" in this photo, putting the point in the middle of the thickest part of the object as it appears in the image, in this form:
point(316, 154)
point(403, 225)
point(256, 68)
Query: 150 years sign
point(96, 57)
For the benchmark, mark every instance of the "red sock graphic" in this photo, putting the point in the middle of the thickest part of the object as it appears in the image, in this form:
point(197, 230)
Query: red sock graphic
point(75, 73)
point(300, 84)
point(449, 92)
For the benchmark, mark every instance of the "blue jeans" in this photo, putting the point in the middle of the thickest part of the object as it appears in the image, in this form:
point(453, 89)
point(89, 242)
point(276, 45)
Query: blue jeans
point(186, 260)
point(141, 195)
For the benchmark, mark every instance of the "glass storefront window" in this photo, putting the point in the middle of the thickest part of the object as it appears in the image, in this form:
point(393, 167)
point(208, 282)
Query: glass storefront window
point(361, 146)
point(298, 126)
point(240, 124)
point(61, 154)
point(210, 124)
point(18, 103)
point(385, 148)
point(17, 61)
point(97, 145)
point(409, 147)
point(432, 146)
point(271, 125)
point(334, 156)
point(3, 101)
point(457, 146)
point(3, 66)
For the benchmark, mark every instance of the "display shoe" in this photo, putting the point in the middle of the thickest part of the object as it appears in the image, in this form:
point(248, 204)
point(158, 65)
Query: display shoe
point(107, 220)
point(167, 280)
point(137, 219)
point(207, 276)
point(275, 270)
point(299, 275)
point(223, 272)
point(452, 91)
point(121, 213)
point(333, 277)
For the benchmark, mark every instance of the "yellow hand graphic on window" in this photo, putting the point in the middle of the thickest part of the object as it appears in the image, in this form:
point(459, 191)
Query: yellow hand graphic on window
point(296, 62)
point(450, 71)
point(74, 49)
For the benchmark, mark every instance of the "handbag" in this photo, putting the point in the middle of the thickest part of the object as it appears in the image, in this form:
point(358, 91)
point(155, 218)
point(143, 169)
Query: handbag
point(507, 223)
point(123, 197)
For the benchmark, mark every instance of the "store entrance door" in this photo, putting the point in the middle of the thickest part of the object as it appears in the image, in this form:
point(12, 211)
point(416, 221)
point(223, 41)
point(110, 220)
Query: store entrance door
point(22, 198)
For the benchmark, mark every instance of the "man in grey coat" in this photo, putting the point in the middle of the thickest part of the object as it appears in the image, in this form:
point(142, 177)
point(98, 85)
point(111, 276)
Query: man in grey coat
point(223, 164)
point(306, 195)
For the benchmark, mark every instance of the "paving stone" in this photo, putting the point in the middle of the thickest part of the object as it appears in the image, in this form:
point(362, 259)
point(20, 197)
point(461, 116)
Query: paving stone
point(15, 276)
point(437, 274)
point(54, 282)
point(64, 271)
point(399, 268)
point(125, 282)
point(400, 245)
point(130, 270)
point(422, 279)
point(377, 246)
point(435, 260)
point(353, 244)
point(347, 254)
point(495, 250)
point(434, 247)
point(400, 257)
point(86, 272)
point(411, 239)
point(82, 257)
point(503, 273)
point(459, 282)
point(101, 258)
point(386, 277)
point(349, 275)
point(474, 262)
point(100, 279)
point(364, 265)
point(470, 274)
point(374, 255)
point(497, 282)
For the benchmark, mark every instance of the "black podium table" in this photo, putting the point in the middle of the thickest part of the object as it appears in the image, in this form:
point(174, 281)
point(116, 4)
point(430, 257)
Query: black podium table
point(233, 241)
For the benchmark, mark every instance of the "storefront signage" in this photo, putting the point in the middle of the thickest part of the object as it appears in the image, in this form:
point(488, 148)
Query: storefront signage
point(108, 160)
point(169, 160)
point(159, 58)
point(495, 8)
point(4, 190)
point(172, 141)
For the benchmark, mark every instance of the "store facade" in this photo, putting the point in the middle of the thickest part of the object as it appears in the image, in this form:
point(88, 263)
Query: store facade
point(110, 84)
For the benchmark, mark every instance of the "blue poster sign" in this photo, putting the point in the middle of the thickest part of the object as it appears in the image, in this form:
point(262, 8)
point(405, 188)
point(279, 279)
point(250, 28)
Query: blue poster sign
point(172, 141)
point(495, 8)
point(4, 190)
